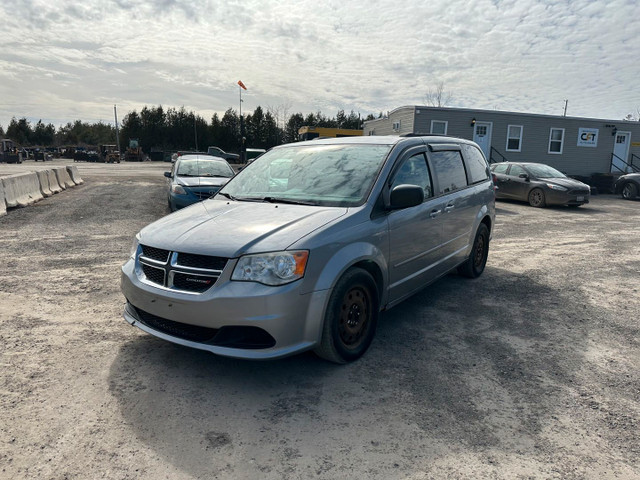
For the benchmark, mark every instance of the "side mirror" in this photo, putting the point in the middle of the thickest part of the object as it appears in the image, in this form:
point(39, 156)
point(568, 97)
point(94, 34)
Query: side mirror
point(524, 175)
point(167, 174)
point(405, 196)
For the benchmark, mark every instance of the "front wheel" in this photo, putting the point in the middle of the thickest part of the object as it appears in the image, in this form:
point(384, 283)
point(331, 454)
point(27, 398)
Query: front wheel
point(629, 191)
point(536, 198)
point(474, 266)
point(351, 318)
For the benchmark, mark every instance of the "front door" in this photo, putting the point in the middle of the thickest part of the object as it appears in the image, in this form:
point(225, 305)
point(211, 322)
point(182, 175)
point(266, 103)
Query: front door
point(482, 136)
point(620, 152)
point(415, 233)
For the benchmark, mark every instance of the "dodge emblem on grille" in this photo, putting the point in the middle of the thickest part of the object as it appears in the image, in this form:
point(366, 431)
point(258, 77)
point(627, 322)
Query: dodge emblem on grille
point(198, 280)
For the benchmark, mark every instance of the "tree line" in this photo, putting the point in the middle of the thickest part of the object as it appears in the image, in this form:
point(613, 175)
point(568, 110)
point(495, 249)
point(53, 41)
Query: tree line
point(179, 129)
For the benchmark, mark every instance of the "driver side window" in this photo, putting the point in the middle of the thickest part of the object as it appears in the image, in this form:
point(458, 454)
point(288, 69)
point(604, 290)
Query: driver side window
point(414, 171)
point(516, 171)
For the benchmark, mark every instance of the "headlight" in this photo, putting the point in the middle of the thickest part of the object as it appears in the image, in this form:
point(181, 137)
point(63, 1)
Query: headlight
point(134, 247)
point(553, 186)
point(178, 189)
point(276, 268)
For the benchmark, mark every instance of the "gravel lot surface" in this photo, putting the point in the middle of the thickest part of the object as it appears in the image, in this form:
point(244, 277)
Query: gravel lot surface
point(530, 371)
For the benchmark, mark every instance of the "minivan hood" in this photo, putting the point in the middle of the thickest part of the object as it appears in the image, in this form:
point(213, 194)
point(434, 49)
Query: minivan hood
point(202, 181)
point(230, 229)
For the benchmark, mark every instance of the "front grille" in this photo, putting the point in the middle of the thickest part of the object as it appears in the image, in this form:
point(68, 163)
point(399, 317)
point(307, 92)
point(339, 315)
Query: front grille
point(206, 194)
point(245, 337)
point(153, 274)
point(201, 261)
point(153, 253)
point(579, 192)
point(185, 272)
point(193, 283)
point(185, 331)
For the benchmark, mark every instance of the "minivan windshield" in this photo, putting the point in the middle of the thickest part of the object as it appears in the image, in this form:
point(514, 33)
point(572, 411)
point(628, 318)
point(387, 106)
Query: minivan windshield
point(329, 175)
point(544, 171)
point(204, 168)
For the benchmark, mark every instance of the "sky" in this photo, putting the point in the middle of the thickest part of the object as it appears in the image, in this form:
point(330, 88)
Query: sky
point(67, 60)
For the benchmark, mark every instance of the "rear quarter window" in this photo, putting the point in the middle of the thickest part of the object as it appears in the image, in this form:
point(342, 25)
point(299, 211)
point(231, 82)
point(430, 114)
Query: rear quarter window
point(449, 170)
point(477, 168)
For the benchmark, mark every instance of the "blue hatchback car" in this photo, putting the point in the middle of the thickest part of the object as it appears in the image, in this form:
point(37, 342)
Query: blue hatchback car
point(194, 178)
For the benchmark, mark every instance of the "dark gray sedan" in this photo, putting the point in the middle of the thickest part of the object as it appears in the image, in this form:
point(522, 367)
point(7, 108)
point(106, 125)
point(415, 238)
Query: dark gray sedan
point(538, 184)
point(628, 185)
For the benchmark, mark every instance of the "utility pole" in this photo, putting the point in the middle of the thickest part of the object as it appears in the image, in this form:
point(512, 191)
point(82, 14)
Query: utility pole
point(566, 102)
point(242, 139)
point(115, 114)
point(195, 130)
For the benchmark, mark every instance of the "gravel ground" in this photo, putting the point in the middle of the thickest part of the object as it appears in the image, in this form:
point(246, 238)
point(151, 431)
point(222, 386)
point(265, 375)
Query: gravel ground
point(530, 371)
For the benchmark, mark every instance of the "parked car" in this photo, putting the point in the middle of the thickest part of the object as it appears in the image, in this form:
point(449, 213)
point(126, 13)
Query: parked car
point(218, 152)
point(194, 178)
point(252, 153)
point(628, 185)
point(347, 228)
point(538, 184)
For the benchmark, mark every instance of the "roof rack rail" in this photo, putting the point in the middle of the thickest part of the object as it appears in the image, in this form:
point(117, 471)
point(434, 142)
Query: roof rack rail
point(424, 135)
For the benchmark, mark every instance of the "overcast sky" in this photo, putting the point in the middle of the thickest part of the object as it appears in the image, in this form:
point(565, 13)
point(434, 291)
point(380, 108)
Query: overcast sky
point(66, 60)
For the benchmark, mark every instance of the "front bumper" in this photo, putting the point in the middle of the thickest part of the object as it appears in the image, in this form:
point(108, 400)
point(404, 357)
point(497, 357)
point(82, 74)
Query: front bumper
point(554, 197)
point(294, 320)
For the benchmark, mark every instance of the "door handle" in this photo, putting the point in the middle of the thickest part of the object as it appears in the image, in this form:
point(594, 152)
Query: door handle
point(448, 208)
point(435, 213)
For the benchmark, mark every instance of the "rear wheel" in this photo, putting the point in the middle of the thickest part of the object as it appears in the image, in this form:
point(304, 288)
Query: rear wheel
point(474, 266)
point(351, 318)
point(536, 198)
point(629, 191)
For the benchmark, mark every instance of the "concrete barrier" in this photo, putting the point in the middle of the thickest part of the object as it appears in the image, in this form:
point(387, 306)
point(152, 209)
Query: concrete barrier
point(74, 174)
point(43, 178)
point(21, 190)
point(53, 181)
point(3, 205)
point(64, 180)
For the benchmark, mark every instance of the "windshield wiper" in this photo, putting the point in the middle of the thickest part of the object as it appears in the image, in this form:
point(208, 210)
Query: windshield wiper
point(228, 195)
point(286, 200)
point(212, 175)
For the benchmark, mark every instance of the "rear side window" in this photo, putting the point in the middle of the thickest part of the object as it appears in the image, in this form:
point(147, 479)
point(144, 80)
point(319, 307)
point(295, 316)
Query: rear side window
point(477, 168)
point(449, 171)
point(502, 168)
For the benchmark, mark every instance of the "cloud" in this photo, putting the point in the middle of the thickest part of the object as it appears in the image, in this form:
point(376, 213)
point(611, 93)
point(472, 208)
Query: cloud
point(367, 56)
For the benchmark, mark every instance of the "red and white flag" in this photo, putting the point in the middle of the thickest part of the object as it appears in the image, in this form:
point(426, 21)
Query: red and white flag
point(241, 84)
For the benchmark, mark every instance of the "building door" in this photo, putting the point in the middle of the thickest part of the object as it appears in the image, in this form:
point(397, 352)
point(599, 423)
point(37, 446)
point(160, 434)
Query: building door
point(620, 152)
point(482, 136)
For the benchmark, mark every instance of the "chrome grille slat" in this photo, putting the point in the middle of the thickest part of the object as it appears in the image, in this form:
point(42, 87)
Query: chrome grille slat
point(177, 271)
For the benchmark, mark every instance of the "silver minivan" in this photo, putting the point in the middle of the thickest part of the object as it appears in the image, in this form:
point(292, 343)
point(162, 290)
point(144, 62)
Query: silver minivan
point(308, 244)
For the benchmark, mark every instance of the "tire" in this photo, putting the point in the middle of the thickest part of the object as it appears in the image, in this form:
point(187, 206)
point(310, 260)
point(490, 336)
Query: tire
point(474, 265)
point(536, 198)
point(629, 191)
point(351, 318)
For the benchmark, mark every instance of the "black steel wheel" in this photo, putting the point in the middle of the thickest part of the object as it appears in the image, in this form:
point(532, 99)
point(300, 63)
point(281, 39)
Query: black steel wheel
point(536, 198)
point(474, 266)
point(351, 318)
point(629, 191)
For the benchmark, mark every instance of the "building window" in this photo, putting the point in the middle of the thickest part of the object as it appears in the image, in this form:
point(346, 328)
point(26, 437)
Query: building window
point(556, 140)
point(396, 126)
point(439, 127)
point(514, 138)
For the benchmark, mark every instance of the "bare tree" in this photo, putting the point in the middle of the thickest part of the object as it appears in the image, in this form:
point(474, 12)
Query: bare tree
point(633, 117)
point(437, 97)
point(280, 113)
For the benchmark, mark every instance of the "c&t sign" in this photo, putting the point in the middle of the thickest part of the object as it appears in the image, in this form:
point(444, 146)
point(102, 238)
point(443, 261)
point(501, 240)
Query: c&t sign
point(588, 137)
